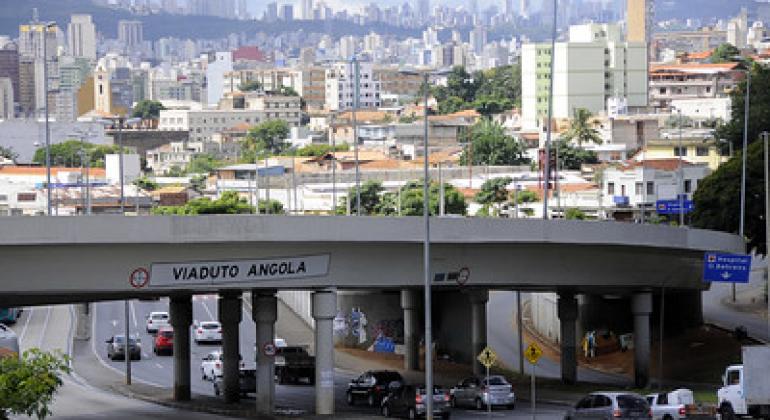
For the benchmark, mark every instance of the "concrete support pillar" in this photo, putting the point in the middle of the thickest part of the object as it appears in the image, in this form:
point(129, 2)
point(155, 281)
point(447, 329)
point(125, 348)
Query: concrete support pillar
point(324, 310)
point(230, 317)
point(409, 303)
point(568, 313)
point(479, 299)
point(265, 313)
point(641, 307)
point(181, 319)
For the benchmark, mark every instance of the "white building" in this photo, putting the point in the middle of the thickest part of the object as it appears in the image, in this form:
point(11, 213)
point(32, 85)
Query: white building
point(6, 98)
point(595, 65)
point(81, 37)
point(704, 109)
point(215, 73)
point(340, 86)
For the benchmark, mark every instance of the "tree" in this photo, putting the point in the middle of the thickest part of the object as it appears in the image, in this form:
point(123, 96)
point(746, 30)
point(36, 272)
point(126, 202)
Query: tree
point(146, 184)
point(70, 153)
point(250, 86)
point(203, 164)
point(502, 82)
point(580, 129)
point(494, 193)
point(759, 110)
point(452, 104)
point(268, 137)
point(8, 153)
point(287, 91)
point(175, 172)
point(526, 196)
point(370, 197)
point(725, 53)
point(148, 109)
point(490, 105)
point(228, 203)
point(28, 383)
point(717, 199)
point(574, 214)
point(320, 149)
point(491, 146)
point(573, 158)
point(198, 183)
point(412, 196)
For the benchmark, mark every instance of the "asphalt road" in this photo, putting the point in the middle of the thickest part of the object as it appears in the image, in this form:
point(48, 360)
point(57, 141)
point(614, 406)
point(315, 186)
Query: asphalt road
point(158, 370)
point(502, 336)
point(714, 311)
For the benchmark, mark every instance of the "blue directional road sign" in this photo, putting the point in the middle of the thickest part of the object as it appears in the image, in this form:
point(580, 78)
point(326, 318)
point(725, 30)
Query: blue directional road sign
point(729, 268)
point(673, 206)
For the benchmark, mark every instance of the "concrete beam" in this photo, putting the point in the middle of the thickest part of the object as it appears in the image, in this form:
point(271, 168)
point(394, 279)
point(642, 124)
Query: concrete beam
point(324, 311)
point(181, 319)
point(478, 299)
point(265, 313)
point(230, 317)
point(410, 304)
point(568, 314)
point(641, 307)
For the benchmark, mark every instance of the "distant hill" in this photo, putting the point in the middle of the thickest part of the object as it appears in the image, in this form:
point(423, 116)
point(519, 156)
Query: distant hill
point(700, 9)
point(15, 12)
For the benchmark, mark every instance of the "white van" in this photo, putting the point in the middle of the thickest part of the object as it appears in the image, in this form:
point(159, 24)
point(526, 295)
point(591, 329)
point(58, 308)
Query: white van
point(9, 343)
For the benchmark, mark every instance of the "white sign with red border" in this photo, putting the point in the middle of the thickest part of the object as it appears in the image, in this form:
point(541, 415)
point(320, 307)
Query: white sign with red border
point(269, 349)
point(139, 278)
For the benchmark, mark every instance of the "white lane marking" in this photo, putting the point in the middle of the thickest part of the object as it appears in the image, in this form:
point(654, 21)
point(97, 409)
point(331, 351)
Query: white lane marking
point(103, 362)
point(45, 327)
point(30, 310)
point(114, 323)
point(208, 311)
point(133, 314)
point(158, 365)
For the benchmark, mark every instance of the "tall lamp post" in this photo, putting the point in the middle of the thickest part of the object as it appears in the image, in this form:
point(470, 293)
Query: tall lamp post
point(746, 104)
point(46, 26)
point(426, 268)
point(121, 122)
point(547, 176)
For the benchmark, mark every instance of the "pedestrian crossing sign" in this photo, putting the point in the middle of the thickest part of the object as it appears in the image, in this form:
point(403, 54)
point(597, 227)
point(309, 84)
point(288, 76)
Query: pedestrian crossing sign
point(533, 353)
point(487, 357)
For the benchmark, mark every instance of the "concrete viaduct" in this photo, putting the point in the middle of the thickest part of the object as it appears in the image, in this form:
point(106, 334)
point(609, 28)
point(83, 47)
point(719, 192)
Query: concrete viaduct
point(75, 259)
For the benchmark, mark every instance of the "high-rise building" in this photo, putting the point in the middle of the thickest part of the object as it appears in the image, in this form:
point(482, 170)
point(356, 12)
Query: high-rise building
point(73, 72)
point(9, 65)
point(423, 10)
point(639, 20)
point(508, 7)
point(81, 37)
point(306, 9)
point(169, 6)
point(7, 111)
point(220, 64)
point(130, 33)
point(38, 47)
point(524, 8)
point(26, 93)
point(340, 86)
point(286, 12)
point(594, 66)
point(478, 39)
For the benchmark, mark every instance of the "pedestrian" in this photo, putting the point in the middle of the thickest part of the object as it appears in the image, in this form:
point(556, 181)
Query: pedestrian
point(592, 344)
point(584, 345)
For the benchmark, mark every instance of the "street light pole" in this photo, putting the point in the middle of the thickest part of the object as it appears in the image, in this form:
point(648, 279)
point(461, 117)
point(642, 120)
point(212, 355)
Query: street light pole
point(334, 164)
point(746, 103)
point(681, 174)
point(550, 113)
point(765, 136)
point(47, 124)
point(426, 270)
point(120, 167)
point(356, 95)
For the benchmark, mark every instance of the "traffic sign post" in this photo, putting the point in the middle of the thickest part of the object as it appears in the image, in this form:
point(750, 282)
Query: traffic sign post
point(269, 349)
point(488, 357)
point(674, 207)
point(533, 354)
point(727, 268)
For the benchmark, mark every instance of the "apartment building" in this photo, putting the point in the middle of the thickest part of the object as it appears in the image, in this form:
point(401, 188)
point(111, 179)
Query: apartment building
point(341, 86)
point(670, 82)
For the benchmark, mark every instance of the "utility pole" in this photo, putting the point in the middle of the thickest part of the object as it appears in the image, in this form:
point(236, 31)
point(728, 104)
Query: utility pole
point(550, 113)
point(356, 95)
point(426, 270)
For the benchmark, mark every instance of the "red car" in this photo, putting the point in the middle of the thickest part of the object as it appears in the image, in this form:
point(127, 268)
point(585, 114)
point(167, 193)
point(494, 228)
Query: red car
point(164, 341)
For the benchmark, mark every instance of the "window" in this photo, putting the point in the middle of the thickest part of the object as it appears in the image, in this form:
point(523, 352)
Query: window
point(733, 377)
point(610, 188)
point(638, 188)
point(702, 151)
point(650, 187)
point(687, 185)
point(680, 151)
point(623, 190)
point(26, 197)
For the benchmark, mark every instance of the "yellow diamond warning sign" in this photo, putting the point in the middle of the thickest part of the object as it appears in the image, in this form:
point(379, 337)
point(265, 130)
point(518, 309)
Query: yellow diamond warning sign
point(533, 353)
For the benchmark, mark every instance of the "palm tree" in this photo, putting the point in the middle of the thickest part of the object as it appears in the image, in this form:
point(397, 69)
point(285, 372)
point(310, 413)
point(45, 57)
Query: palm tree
point(581, 130)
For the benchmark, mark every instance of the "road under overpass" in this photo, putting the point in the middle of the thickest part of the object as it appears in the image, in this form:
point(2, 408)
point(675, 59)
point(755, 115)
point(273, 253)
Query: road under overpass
point(59, 260)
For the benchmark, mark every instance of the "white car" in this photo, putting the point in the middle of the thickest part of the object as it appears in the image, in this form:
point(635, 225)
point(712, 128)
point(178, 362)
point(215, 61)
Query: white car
point(207, 331)
point(212, 365)
point(156, 320)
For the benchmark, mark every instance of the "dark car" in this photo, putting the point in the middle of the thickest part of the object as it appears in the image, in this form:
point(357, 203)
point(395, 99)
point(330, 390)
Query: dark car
point(116, 348)
point(409, 401)
point(611, 405)
point(163, 343)
point(372, 386)
point(247, 380)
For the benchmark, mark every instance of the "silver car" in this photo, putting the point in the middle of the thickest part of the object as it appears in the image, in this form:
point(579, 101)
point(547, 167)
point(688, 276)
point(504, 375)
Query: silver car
point(611, 405)
point(478, 393)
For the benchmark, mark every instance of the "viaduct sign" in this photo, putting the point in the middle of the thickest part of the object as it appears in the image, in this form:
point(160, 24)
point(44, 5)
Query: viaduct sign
point(207, 273)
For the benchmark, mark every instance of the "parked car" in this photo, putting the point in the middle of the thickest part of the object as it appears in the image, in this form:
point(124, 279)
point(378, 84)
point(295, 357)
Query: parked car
point(207, 331)
point(247, 380)
point(156, 320)
point(611, 405)
point(212, 364)
point(409, 401)
point(478, 393)
point(372, 386)
point(116, 348)
point(164, 341)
